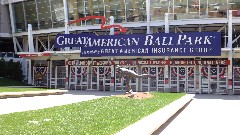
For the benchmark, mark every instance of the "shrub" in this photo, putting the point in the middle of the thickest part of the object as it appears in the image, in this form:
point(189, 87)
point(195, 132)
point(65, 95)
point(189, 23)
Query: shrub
point(11, 70)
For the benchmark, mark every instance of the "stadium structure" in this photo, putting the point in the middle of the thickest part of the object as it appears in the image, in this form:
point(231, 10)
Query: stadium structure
point(187, 46)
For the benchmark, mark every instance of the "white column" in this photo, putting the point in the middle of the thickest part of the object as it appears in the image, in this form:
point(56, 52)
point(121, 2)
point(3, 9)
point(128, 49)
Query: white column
point(66, 32)
point(166, 78)
point(148, 15)
point(50, 76)
point(66, 20)
point(209, 79)
point(112, 66)
point(200, 80)
point(30, 39)
point(67, 78)
point(111, 22)
point(75, 77)
point(230, 52)
point(66, 16)
point(13, 27)
point(29, 72)
point(112, 83)
point(48, 67)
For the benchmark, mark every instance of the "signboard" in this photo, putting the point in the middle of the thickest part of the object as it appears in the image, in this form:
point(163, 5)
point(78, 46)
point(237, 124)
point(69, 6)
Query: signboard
point(146, 62)
point(159, 44)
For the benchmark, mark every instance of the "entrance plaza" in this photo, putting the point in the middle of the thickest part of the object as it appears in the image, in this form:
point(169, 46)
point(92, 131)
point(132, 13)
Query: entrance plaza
point(185, 46)
point(189, 46)
point(201, 113)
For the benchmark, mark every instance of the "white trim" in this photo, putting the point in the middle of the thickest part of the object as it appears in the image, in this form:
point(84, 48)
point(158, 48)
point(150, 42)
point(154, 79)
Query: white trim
point(5, 35)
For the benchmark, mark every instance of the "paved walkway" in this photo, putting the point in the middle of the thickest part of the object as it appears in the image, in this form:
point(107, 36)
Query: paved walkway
point(205, 114)
point(208, 115)
point(11, 105)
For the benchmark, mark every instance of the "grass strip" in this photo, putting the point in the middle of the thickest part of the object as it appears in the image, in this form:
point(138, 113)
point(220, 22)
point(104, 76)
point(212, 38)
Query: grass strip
point(102, 116)
point(9, 89)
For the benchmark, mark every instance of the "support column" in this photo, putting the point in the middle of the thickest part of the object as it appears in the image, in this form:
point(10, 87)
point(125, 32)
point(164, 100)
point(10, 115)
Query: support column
point(50, 74)
point(66, 20)
point(36, 44)
point(112, 83)
point(29, 72)
point(67, 78)
point(230, 82)
point(30, 49)
point(139, 80)
point(200, 79)
point(166, 76)
point(148, 15)
point(66, 32)
point(30, 39)
point(196, 78)
point(13, 27)
point(90, 76)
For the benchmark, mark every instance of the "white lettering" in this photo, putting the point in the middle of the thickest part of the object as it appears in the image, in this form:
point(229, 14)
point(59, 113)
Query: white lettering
point(58, 38)
point(148, 40)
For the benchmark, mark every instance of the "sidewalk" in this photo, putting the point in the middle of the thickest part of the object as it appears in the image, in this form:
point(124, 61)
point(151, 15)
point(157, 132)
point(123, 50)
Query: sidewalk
point(149, 124)
point(4, 95)
point(207, 115)
point(11, 105)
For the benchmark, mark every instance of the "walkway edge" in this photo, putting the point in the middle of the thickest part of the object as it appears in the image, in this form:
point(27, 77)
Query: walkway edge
point(151, 123)
point(4, 95)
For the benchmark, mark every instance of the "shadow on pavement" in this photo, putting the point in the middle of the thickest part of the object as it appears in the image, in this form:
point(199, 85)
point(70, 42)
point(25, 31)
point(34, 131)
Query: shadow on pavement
point(215, 96)
point(162, 127)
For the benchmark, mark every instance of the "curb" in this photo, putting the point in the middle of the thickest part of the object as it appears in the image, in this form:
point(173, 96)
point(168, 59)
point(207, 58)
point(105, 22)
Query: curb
point(152, 122)
point(4, 95)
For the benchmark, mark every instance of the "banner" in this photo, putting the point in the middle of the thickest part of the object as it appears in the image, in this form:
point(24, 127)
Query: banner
point(159, 44)
point(147, 62)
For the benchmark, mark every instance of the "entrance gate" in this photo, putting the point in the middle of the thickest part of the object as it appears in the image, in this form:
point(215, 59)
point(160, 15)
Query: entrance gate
point(40, 75)
point(100, 78)
point(213, 79)
point(79, 77)
point(121, 85)
point(156, 81)
point(182, 79)
point(58, 77)
point(236, 80)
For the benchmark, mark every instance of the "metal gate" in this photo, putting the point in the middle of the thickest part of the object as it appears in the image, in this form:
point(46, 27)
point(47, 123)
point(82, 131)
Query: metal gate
point(121, 85)
point(213, 80)
point(236, 80)
point(40, 75)
point(58, 77)
point(79, 77)
point(156, 81)
point(191, 79)
point(100, 78)
point(182, 79)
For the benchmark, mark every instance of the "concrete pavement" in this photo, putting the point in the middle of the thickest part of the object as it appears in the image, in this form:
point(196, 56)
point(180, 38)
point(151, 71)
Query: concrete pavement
point(11, 105)
point(207, 115)
point(152, 122)
point(4, 95)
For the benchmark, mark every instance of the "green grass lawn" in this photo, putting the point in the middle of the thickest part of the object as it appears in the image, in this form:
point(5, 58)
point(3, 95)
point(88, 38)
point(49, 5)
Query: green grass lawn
point(102, 116)
point(8, 82)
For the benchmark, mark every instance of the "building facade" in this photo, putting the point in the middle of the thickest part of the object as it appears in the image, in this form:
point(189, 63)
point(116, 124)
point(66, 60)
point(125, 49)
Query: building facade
point(29, 28)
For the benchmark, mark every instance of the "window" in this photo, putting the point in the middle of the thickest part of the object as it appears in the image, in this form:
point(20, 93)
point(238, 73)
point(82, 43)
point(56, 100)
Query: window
point(58, 16)
point(18, 14)
point(44, 14)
